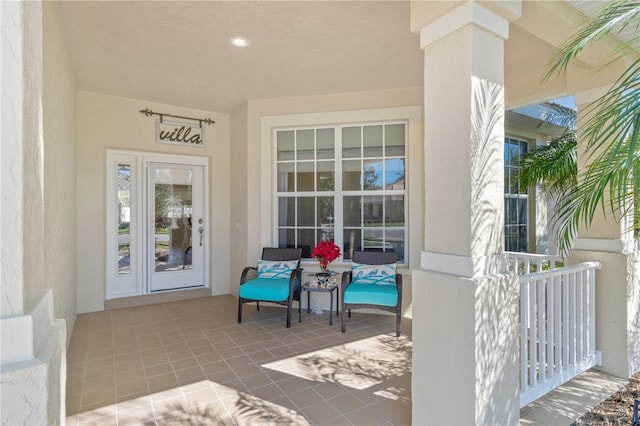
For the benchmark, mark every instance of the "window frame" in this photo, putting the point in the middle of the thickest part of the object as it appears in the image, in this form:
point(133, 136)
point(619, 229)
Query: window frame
point(508, 195)
point(262, 229)
point(338, 193)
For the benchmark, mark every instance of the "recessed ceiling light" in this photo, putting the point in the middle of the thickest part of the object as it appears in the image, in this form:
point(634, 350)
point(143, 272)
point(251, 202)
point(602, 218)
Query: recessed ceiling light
point(239, 41)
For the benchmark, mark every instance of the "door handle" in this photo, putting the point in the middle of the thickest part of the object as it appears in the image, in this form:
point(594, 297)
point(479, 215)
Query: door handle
point(200, 231)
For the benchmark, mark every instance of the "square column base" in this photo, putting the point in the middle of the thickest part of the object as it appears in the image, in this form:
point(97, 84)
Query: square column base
point(465, 349)
point(33, 367)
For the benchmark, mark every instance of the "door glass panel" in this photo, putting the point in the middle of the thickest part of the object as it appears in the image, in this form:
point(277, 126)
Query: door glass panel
point(123, 186)
point(173, 211)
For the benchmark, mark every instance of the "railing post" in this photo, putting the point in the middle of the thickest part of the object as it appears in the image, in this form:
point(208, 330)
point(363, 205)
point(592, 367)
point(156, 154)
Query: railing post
point(524, 333)
point(592, 311)
point(557, 341)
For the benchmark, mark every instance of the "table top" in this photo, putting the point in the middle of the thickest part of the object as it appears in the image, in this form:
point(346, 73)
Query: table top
point(310, 286)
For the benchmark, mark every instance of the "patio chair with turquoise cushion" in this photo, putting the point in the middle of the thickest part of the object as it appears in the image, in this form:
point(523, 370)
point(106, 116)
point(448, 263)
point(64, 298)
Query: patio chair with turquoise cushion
point(276, 280)
point(372, 283)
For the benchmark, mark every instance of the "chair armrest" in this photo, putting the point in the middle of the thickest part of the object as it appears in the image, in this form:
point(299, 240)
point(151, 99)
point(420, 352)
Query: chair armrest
point(248, 273)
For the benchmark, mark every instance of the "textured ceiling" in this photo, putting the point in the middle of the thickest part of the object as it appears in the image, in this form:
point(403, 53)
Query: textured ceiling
point(179, 52)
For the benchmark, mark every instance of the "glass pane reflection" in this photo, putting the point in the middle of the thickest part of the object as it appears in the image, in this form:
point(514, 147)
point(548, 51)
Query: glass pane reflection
point(173, 201)
point(124, 218)
point(394, 174)
point(372, 175)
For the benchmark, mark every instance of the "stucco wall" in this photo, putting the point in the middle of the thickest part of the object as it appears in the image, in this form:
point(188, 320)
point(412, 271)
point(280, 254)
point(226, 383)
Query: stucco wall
point(301, 105)
point(59, 110)
point(105, 122)
point(32, 358)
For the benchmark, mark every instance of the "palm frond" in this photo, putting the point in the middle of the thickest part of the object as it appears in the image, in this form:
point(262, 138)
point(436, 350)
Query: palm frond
point(607, 184)
point(554, 166)
point(619, 106)
point(611, 129)
point(614, 17)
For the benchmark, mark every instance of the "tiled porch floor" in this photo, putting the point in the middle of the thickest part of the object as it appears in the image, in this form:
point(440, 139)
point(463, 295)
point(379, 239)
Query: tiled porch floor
point(190, 362)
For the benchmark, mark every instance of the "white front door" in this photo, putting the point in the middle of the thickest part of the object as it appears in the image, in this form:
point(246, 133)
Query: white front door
point(157, 231)
point(175, 226)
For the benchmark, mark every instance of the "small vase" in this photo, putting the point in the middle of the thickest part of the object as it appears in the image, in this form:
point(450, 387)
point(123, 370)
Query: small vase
point(323, 275)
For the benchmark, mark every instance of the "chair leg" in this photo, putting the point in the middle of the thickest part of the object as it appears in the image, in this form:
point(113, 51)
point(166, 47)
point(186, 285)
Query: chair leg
point(299, 309)
point(258, 305)
point(398, 318)
point(289, 314)
point(239, 310)
point(342, 320)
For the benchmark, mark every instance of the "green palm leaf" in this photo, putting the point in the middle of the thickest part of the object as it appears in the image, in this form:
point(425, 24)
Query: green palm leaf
point(611, 129)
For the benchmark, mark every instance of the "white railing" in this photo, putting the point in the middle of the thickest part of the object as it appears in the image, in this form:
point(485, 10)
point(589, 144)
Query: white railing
point(527, 263)
point(557, 328)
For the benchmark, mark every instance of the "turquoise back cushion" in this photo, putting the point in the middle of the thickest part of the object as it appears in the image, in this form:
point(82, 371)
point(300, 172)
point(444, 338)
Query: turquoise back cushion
point(385, 295)
point(373, 274)
point(267, 289)
point(276, 268)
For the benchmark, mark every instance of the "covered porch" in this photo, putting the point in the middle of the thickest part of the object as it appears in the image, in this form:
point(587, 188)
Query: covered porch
point(190, 362)
point(75, 87)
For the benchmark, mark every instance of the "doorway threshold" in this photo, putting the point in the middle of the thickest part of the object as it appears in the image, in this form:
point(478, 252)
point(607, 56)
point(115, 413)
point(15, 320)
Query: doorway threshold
point(150, 299)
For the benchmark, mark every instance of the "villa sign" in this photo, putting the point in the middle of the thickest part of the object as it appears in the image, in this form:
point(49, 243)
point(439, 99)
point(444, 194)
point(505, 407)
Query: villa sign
point(179, 133)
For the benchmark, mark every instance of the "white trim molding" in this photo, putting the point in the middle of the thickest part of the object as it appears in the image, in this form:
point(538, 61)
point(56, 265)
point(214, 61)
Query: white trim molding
point(468, 13)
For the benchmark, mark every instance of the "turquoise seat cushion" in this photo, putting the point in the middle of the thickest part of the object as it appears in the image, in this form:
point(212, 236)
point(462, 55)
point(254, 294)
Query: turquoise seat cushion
point(385, 295)
point(374, 274)
point(267, 289)
point(276, 268)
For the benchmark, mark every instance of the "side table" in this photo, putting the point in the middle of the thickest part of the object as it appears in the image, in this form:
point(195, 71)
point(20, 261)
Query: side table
point(328, 288)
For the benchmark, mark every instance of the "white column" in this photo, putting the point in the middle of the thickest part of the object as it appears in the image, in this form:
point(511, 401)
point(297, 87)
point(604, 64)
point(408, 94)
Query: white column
point(618, 282)
point(32, 342)
point(465, 308)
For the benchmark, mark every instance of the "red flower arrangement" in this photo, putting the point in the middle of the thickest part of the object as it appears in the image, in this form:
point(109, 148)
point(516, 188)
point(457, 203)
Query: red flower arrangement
point(326, 252)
